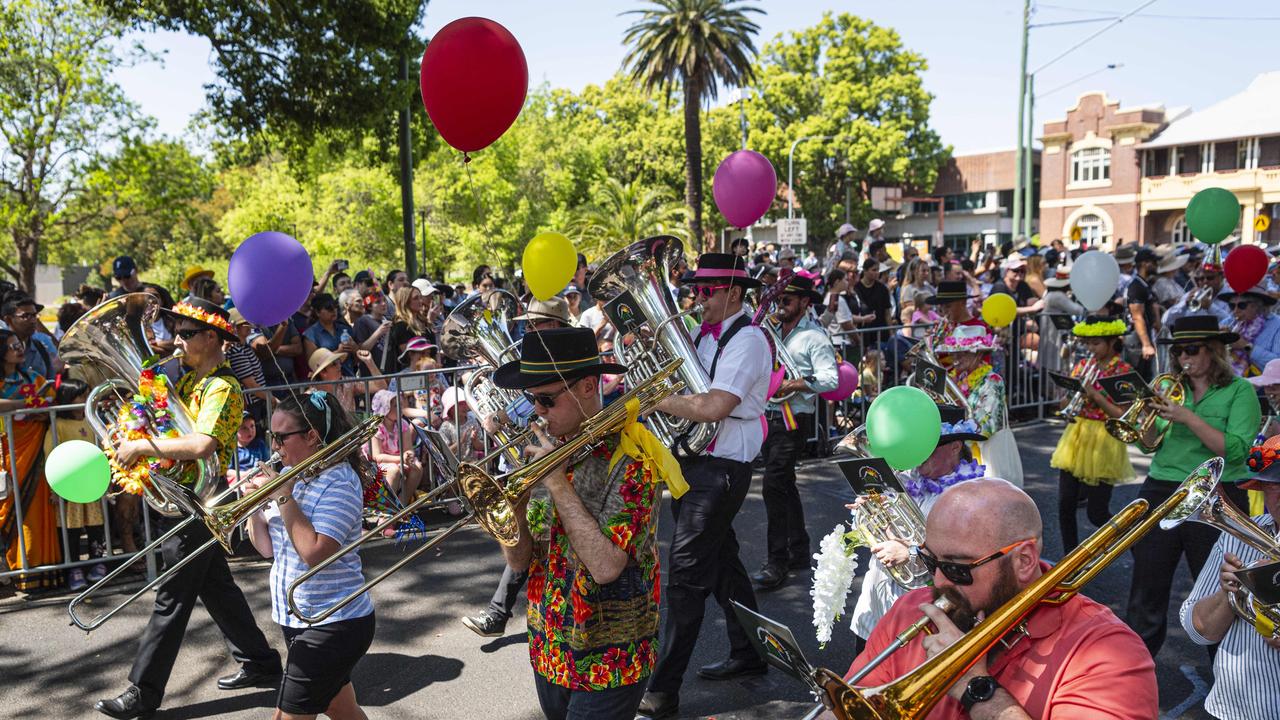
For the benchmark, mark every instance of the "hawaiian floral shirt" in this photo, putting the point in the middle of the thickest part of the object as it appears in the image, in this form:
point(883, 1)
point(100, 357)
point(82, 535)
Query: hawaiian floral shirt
point(216, 407)
point(587, 636)
point(1114, 366)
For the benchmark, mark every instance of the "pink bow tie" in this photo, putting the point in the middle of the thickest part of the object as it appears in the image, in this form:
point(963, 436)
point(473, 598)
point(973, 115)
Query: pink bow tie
point(712, 328)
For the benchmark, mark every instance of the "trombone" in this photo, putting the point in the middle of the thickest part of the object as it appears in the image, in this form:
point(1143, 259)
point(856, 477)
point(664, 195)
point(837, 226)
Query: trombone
point(494, 500)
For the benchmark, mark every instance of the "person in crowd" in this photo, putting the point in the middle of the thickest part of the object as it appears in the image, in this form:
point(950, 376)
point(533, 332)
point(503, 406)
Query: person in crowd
point(89, 296)
point(1258, 328)
point(245, 364)
point(125, 272)
point(351, 306)
point(595, 319)
point(1126, 257)
point(1219, 417)
point(330, 332)
point(811, 262)
point(364, 283)
point(307, 522)
point(67, 315)
point(482, 280)
point(206, 288)
point(967, 349)
point(704, 555)
point(1035, 274)
point(409, 323)
point(391, 448)
point(1053, 348)
point(787, 259)
point(917, 279)
point(160, 330)
point(341, 283)
point(1090, 462)
point(1057, 254)
point(1202, 299)
point(396, 279)
point(839, 308)
point(581, 276)
point(573, 296)
point(70, 425)
point(875, 300)
point(952, 300)
point(846, 241)
point(251, 449)
point(423, 408)
point(326, 366)
point(1076, 659)
point(192, 273)
point(791, 424)
point(1140, 345)
point(371, 329)
point(212, 395)
point(1011, 282)
point(1166, 287)
point(22, 315)
point(740, 247)
point(460, 427)
point(277, 348)
point(875, 234)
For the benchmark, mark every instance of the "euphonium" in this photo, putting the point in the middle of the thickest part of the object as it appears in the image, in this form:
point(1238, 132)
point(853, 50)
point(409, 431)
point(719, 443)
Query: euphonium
point(1134, 425)
point(952, 395)
point(108, 349)
point(1087, 379)
point(477, 330)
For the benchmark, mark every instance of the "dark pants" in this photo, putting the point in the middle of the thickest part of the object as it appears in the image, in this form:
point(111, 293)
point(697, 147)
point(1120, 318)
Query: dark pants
point(704, 561)
point(1097, 507)
point(504, 598)
point(788, 542)
point(1133, 356)
point(1155, 560)
point(561, 703)
point(208, 579)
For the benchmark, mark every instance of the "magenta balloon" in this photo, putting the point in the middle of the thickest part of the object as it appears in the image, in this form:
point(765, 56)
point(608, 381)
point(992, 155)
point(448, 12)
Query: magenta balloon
point(744, 187)
point(269, 278)
point(848, 383)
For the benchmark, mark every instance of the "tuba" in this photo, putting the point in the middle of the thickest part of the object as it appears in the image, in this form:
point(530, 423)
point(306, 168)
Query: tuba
point(1133, 426)
point(640, 271)
point(952, 394)
point(477, 330)
point(108, 349)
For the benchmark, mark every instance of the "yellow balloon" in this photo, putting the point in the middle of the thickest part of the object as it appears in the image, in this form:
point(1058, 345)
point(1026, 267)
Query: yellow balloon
point(999, 310)
point(549, 263)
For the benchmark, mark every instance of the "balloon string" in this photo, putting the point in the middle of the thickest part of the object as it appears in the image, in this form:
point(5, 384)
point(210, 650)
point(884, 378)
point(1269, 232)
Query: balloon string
point(563, 379)
point(471, 182)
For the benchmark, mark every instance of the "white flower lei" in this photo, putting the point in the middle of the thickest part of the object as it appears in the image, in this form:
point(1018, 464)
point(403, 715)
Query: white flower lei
point(837, 564)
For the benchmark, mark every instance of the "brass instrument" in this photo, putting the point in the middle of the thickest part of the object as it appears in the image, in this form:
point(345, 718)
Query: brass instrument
point(1076, 404)
point(1201, 300)
point(477, 329)
point(953, 395)
point(915, 694)
point(1216, 510)
point(1141, 418)
point(641, 270)
point(763, 318)
point(494, 500)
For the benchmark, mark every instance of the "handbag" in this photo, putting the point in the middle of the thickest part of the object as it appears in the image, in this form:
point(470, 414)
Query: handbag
point(1000, 454)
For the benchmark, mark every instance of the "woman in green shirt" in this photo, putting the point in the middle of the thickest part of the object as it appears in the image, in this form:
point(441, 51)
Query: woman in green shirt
point(1219, 417)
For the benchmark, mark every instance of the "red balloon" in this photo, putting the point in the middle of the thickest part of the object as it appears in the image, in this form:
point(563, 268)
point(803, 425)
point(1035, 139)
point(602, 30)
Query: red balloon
point(474, 79)
point(1245, 267)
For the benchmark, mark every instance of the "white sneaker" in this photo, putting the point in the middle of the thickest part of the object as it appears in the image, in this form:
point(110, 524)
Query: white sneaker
point(76, 581)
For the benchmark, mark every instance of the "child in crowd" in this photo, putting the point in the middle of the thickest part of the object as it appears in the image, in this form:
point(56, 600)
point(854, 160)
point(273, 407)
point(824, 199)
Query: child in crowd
point(70, 425)
point(392, 448)
point(460, 428)
point(250, 450)
point(922, 315)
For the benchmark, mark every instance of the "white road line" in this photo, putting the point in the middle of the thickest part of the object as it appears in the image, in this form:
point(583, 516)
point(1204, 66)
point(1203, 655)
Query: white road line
point(1199, 689)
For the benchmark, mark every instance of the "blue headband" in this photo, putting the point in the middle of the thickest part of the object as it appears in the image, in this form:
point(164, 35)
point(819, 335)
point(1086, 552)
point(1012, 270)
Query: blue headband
point(318, 400)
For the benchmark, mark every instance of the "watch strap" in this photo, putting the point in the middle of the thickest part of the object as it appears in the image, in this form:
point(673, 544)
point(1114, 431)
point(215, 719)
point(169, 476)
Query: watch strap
point(979, 689)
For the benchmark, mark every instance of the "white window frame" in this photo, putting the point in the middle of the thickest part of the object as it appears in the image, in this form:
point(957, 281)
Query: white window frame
point(1206, 156)
point(1090, 166)
point(1093, 230)
point(1180, 235)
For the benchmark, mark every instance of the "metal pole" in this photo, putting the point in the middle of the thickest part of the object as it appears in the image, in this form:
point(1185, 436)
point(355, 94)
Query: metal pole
point(742, 114)
point(406, 179)
point(1022, 103)
point(1028, 166)
point(423, 215)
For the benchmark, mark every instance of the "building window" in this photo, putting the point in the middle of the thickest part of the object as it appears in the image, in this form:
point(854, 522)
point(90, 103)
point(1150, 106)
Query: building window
point(1157, 163)
point(1269, 152)
point(1090, 165)
point(1093, 231)
point(1189, 160)
point(1181, 235)
point(1229, 156)
point(965, 201)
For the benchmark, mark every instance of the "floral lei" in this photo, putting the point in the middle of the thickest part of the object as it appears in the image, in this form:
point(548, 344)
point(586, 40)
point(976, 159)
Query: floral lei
point(973, 378)
point(150, 403)
point(918, 487)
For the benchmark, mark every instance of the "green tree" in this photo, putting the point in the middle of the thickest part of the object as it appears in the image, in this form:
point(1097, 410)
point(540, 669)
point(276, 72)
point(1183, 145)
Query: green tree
point(58, 111)
point(697, 44)
point(622, 214)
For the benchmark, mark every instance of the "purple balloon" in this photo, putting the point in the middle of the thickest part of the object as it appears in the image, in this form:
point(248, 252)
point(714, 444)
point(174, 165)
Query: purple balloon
point(744, 187)
point(269, 277)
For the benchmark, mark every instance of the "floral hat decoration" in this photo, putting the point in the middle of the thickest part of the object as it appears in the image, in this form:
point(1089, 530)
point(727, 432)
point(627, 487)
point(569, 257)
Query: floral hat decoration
point(968, 338)
point(1099, 326)
point(205, 313)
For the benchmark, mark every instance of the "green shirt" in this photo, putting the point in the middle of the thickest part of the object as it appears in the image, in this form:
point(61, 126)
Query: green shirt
point(1234, 410)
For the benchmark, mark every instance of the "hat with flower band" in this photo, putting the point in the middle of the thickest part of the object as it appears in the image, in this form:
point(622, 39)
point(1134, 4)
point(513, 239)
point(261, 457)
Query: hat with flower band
point(1100, 326)
point(968, 339)
point(206, 313)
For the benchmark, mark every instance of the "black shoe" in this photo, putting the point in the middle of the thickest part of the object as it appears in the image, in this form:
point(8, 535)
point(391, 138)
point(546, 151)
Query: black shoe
point(486, 624)
point(730, 669)
point(800, 563)
point(769, 577)
point(658, 706)
point(127, 705)
point(246, 678)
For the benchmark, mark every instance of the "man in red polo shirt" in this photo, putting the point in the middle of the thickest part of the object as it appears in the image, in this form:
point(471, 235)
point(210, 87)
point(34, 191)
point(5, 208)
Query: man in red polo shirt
point(1077, 660)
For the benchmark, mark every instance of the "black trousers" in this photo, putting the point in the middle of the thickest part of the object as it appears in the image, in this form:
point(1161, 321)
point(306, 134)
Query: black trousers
point(1097, 507)
point(788, 542)
point(1155, 560)
point(208, 579)
point(703, 561)
point(504, 598)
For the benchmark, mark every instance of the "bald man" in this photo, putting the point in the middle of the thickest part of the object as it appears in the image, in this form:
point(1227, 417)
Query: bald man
point(1076, 660)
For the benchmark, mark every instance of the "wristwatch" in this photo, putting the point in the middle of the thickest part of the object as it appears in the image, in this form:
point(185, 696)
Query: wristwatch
point(283, 500)
point(979, 689)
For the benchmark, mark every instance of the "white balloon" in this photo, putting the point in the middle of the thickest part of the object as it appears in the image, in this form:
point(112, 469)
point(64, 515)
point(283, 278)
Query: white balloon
point(1094, 279)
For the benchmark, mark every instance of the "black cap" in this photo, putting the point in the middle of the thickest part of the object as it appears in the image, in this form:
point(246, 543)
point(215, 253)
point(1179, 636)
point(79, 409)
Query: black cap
point(363, 276)
point(13, 302)
point(123, 267)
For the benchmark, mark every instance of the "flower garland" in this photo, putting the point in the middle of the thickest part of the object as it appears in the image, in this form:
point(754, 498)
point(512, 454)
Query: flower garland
point(148, 409)
point(918, 487)
point(203, 316)
point(1107, 328)
point(971, 380)
point(837, 564)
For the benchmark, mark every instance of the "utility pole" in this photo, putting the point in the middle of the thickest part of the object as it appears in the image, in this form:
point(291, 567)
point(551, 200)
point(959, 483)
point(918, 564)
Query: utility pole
point(1028, 164)
point(423, 215)
point(406, 177)
point(1022, 103)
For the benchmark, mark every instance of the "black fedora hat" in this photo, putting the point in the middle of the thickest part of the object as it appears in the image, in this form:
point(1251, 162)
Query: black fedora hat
point(1197, 328)
point(949, 291)
point(554, 354)
point(956, 425)
point(802, 286)
point(721, 268)
point(206, 313)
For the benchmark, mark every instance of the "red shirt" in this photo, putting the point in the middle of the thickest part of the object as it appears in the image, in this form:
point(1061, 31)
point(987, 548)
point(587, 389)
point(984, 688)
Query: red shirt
point(1079, 661)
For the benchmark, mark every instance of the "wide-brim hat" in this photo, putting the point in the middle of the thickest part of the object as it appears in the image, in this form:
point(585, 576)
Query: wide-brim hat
point(1171, 263)
point(1057, 282)
point(1100, 326)
point(416, 344)
point(1126, 253)
point(1197, 328)
point(802, 286)
point(956, 426)
point(553, 308)
point(556, 354)
point(323, 358)
point(1257, 292)
point(968, 338)
point(204, 312)
point(192, 273)
point(1270, 375)
point(723, 267)
point(949, 291)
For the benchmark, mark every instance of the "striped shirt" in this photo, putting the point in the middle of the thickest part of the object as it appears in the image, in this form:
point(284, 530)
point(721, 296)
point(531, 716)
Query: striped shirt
point(332, 502)
point(245, 364)
point(1246, 670)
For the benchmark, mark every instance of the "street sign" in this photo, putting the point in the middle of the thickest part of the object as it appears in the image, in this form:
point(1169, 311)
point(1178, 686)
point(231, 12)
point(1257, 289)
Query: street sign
point(1075, 234)
point(1261, 223)
point(793, 232)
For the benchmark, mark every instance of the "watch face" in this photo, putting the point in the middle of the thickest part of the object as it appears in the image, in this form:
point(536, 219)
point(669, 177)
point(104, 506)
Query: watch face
point(981, 688)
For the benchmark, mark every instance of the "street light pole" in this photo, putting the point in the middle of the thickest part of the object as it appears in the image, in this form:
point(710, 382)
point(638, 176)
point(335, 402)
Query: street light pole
point(1022, 104)
point(1028, 167)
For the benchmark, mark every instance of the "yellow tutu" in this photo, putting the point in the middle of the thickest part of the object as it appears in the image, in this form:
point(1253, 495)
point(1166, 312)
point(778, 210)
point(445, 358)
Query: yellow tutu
point(1088, 451)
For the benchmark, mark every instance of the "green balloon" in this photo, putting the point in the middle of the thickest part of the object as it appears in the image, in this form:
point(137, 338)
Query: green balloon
point(1213, 214)
point(903, 426)
point(77, 471)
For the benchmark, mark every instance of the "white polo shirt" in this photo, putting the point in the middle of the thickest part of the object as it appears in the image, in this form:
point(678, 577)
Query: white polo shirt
point(743, 370)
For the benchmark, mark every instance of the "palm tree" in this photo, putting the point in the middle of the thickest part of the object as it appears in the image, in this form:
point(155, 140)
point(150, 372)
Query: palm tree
point(699, 44)
point(623, 214)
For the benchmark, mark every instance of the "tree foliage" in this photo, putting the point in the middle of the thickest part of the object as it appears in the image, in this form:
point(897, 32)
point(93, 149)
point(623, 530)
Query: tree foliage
point(621, 214)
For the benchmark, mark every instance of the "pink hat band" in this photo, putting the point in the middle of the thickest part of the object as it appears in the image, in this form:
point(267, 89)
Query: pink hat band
point(719, 273)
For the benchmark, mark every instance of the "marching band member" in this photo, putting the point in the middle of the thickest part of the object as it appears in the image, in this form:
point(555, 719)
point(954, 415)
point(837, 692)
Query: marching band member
point(952, 300)
point(1090, 462)
point(212, 394)
point(791, 424)
point(308, 522)
point(1208, 283)
point(1258, 328)
point(593, 581)
point(704, 557)
point(1219, 417)
point(969, 347)
point(1066, 661)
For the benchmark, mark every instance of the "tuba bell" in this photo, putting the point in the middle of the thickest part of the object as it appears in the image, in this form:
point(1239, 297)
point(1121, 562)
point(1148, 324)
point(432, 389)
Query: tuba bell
point(951, 395)
point(477, 330)
point(108, 349)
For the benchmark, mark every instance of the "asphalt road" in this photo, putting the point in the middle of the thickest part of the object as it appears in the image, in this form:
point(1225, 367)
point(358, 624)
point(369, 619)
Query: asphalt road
point(425, 664)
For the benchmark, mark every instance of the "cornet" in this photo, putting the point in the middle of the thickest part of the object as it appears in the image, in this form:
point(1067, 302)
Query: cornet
point(1087, 378)
point(1141, 417)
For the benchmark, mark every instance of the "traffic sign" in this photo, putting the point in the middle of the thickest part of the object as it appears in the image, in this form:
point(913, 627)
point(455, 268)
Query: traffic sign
point(1261, 223)
point(794, 231)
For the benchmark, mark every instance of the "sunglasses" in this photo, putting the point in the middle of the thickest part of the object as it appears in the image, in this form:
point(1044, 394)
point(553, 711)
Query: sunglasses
point(24, 316)
point(277, 439)
point(548, 400)
point(1185, 349)
point(16, 348)
point(961, 573)
point(1240, 305)
point(188, 333)
point(706, 291)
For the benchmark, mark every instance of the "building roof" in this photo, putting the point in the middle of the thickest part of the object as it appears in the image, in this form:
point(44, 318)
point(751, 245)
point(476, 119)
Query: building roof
point(1251, 113)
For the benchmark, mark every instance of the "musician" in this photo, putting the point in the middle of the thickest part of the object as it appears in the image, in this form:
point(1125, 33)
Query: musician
point(1258, 328)
point(1245, 669)
point(952, 300)
point(1219, 417)
point(984, 539)
point(1090, 462)
point(211, 393)
point(593, 580)
point(305, 523)
point(1208, 283)
point(791, 424)
point(967, 352)
point(704, 549)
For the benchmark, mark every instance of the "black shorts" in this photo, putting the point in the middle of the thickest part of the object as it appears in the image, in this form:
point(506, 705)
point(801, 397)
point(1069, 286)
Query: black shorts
point(320, 661)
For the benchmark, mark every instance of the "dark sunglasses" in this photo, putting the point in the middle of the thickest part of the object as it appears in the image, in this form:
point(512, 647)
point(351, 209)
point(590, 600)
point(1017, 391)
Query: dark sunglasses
point(1240, 304)
point(278, 439)
point(548, 400)
point(958, 572)
point(706, 291)
point(188, 333)
point(1185, 349)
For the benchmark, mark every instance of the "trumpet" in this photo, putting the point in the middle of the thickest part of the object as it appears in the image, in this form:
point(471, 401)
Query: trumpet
point(1140, 419)
point(1201, 300)
point(1087, 379)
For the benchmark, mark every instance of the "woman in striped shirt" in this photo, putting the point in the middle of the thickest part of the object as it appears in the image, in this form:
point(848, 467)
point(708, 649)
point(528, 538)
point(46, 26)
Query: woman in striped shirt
point(309, 521)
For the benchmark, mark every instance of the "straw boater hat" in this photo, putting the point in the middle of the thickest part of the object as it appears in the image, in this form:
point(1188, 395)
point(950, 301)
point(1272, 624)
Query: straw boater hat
point(802, 286)
point(1197, 328)
point(203, 312)
point(323, 358)
point(949, 291)
point(956, 426)
point(193, 272)
point(1257, 292)
point(553, 308)
point(1061, 278)
point(715, 268)
point(557, 354)
point(967, 339)
point(1171, 262)
point(1099, 326)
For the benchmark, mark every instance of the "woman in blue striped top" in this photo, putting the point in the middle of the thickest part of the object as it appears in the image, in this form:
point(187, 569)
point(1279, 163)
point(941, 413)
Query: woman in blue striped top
point(308, 521)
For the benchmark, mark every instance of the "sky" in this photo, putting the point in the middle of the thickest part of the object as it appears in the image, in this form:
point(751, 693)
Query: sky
point(1172, 53)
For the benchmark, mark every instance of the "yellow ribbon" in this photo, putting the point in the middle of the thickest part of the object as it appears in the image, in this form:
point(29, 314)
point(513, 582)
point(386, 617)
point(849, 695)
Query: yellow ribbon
point(637, 442)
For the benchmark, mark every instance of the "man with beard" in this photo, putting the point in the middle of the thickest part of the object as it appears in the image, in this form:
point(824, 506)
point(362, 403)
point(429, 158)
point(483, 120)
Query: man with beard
point(1065, 661)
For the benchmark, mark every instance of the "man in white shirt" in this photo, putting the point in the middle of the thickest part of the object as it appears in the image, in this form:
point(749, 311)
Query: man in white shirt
point(704, 556)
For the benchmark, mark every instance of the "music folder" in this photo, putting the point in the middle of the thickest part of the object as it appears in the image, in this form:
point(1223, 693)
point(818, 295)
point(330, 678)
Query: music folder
point(867, 474)
point(1066, 382)
point(930, 377)
point(1125, 388)
point(1062, 321)
point(775, 643)
point(1263, 581)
